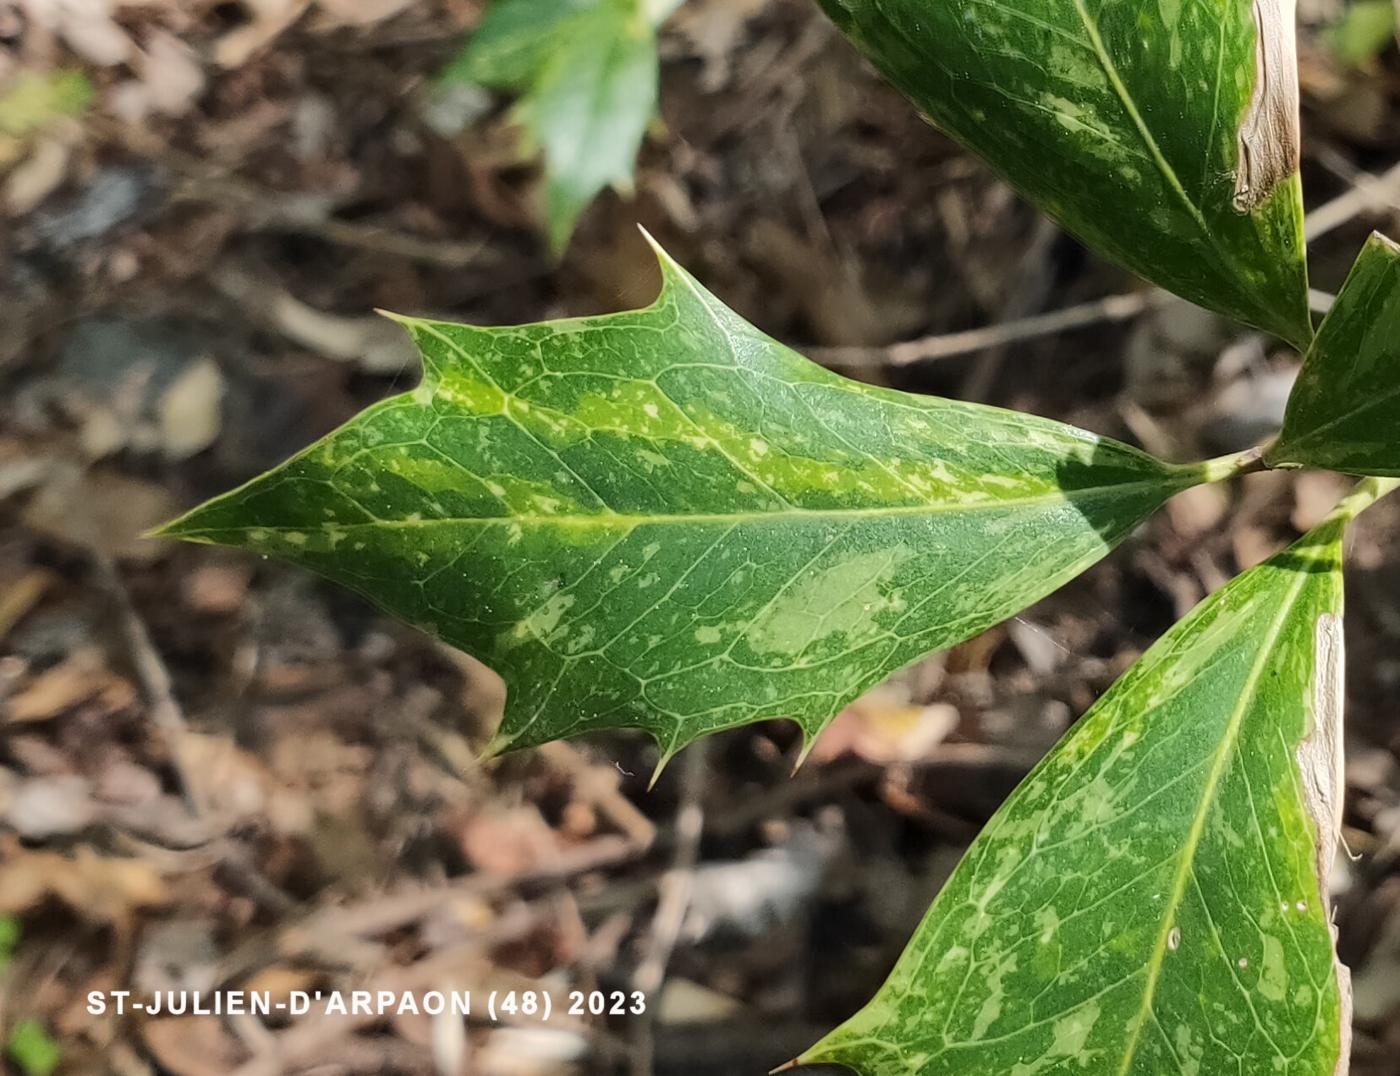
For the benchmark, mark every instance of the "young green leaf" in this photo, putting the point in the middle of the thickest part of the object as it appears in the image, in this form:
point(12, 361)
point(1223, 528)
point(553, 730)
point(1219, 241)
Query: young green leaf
point(1152, 898)
point(33, 1049)
point(34, 101)
point(665, 520)
point(1344, 411)
point(1365, 30)
point(512, 42)
point(587, 70)
point(1164, 136)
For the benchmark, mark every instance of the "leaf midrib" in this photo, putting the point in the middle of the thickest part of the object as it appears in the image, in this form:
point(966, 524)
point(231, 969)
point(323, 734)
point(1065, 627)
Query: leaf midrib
point(1198, 824)
point(1223, 257)
point(1168, 484)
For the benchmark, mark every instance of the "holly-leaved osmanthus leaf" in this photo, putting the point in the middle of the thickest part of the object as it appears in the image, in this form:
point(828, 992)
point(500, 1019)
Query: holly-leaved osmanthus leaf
point(1153, 897)
point(665, 520)
point(1344, 410)
point(586, 71)
point(1164, 135)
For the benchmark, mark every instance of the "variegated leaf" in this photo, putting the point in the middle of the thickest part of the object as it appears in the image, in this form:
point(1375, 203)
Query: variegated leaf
point(1163, 134)
point(1153, 897)
point(1344, 410)
point(665, 520)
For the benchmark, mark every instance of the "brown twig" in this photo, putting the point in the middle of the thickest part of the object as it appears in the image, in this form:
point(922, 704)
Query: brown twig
point(293, 214)
point(599, 786)
point(1111, 308)
point(165, 712)
point(675, 887)
point(1368, 194)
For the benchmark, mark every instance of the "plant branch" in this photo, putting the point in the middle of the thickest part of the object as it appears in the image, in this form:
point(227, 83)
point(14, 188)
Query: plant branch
point(1364, 494)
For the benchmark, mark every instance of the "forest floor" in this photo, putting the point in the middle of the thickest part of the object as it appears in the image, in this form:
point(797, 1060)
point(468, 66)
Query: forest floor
point(219, 771)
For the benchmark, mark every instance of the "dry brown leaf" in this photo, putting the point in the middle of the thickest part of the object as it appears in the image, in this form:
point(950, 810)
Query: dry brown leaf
point(79, 678)
point(358, 12)
point(883, 726)
point(236, 786)
point(101, 510)
point(192, 1046)
point(86, 26)
point(100, 890)
point(17, 600)
point(268, 19)
point(170, 81)
point(509, 841)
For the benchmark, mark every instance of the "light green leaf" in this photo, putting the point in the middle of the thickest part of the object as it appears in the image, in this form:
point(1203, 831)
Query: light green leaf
point(33, 1049)
point(1363, 32)
point(589, 108)
point(512, 42)
point(33, 102)
point(36, 99)
point(1344, 411)
point(9, 939)
point(587, 72)
point(1152, 898)
point(1156, 132)
point(665, 520)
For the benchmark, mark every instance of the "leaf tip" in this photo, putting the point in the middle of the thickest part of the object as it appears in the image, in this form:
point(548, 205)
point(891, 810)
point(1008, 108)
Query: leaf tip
point(178, 529)
point(809, 741)
point(1384, 243)
point(670, 268)
point(661, 764)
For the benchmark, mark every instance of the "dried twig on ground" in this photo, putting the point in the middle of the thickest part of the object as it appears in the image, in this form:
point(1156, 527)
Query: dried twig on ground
point(675, 887)
point(1368, 194)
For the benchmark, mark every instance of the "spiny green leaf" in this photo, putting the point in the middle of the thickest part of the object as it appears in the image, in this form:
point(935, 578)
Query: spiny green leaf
point(1152, 898)
point(587, 71)
point(1344, 411)
point(665, 520)
point(1157, 133)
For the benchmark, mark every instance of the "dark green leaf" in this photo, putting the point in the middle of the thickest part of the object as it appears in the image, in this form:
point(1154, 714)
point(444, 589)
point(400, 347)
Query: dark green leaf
point(1142, 128)
point(666, 520)
point(1344, 411)
point(1152, 898)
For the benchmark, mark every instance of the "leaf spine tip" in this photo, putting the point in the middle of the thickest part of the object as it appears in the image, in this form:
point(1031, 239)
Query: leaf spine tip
point(808, 742)
point(661, 764)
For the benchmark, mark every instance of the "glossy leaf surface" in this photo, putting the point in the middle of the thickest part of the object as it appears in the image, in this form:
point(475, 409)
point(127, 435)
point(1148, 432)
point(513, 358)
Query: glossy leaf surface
point(1158, 133)
point(1344, 410)
point(587, 72)
point(1151, 898)
point(665, 520)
